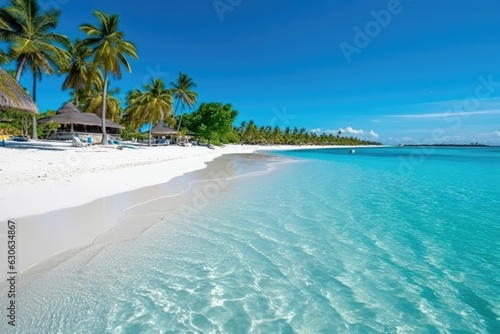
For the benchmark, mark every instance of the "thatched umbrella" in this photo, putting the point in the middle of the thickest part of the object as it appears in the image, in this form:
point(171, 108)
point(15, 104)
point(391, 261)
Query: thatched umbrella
point(162, 129)
point(70, 114)
point(13, 96)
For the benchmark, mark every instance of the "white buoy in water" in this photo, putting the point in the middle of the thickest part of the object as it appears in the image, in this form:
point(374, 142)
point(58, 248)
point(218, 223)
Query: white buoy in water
point(352, 151)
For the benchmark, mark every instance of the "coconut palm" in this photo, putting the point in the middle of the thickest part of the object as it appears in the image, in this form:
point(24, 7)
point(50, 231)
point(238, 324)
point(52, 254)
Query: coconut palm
point(251, 132)
point(3, 58)
point(151, 106)
point(80, 73)
point(27, 28)
point(287, 134)
point(110, 51)
point(93, 99)
point(184, 94)
point(241, 131)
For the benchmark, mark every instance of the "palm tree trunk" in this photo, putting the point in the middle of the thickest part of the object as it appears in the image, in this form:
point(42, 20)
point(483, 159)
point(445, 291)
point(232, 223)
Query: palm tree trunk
point(20, 68)
point(25, 126)
point(176, 106)
point(18, 76)
point(104, 140)
point(33, 118)
point(150, 129)
point(180, 119)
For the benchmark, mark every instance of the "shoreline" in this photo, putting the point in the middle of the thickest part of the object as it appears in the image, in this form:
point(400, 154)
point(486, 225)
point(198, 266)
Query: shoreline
point(37, 181)
point(58, 218)
point(86, 230)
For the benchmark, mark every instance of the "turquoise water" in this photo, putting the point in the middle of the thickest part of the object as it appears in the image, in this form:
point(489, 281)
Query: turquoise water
point(383, 241)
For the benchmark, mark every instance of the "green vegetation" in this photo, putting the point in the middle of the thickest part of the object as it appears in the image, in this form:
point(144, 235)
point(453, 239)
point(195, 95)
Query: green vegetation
point(80, 73)
point(212, 122)
point(150, 106)
point(110, 51)
point(103, 52)
point(184, 94)
point(93, 99)
point(18, 124)
point(28, 29)
point(250, 133)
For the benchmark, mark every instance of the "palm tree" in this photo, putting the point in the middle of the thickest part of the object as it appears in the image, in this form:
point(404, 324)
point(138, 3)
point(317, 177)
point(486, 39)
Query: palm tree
point(241, 130)
point(151, 106)
point(302, 136)
point(110, 50)
point(295, 135)
point(28, 30)
point(184, 94)
point(3, 58)
point(251, 132)
point(93, 99)
point(287, 135)
point(277, 135)
point(80, 74)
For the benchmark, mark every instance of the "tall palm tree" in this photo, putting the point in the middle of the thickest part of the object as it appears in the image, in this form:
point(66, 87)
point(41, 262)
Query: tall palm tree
point(80, 73)
point(184, 94)
point(110, 51)
point(27, 28)
point(150, 106)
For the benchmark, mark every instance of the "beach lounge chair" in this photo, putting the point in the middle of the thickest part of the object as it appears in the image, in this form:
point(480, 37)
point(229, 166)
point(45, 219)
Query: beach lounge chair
point(112, 141)
point(77, 142)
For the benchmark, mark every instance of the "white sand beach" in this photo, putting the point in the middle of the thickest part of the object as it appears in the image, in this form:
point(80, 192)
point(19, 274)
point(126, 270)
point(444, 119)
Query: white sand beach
point(35, 181)
point(38, 181)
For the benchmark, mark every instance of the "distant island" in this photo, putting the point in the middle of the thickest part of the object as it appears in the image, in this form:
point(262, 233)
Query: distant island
point(449, 145)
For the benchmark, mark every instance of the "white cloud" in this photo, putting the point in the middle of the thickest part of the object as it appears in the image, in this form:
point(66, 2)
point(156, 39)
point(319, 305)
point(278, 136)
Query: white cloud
point(350, 131)
point(493, 134)
point(373, 134)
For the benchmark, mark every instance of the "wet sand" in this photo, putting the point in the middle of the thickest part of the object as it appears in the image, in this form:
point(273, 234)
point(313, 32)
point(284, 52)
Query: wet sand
point(47, 240)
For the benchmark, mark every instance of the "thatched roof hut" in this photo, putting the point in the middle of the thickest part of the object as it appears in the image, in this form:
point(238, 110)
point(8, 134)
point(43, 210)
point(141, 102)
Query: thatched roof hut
point(13, 96)
point(70, 114)
point(162, 129)
point(111, 124)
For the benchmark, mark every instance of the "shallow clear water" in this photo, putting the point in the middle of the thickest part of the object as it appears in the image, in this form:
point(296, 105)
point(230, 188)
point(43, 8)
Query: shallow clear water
point(385, 240)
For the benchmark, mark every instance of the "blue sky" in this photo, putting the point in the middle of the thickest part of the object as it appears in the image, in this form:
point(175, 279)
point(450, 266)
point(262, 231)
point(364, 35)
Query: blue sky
point(408, 71)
